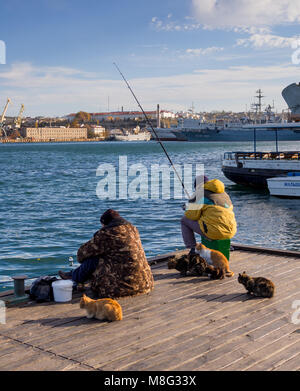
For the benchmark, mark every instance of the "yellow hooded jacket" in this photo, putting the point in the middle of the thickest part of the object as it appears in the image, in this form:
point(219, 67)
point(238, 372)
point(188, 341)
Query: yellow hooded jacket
point(212, 208)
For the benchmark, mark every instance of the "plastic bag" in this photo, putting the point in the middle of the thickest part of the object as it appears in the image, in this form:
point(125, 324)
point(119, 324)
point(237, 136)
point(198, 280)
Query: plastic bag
point(41, 289)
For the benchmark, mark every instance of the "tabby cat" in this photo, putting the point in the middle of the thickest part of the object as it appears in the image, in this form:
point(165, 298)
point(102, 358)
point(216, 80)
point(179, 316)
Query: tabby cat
point(198, 266)
point(258, 286)
point(181, 264)
point(193, 265)
point(102, 309)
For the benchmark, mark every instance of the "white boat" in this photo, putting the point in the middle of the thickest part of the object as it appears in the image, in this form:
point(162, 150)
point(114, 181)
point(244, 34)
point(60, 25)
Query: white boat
point(287, 186)
point(254, 168)
point(141, 136)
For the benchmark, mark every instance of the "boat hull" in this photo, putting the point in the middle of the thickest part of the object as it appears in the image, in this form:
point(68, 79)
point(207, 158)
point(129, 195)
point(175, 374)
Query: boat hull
point(251, 177)
point(166, 134)
point(287, 187)
point(240, 135)
point(133, 137)
point(254, 168)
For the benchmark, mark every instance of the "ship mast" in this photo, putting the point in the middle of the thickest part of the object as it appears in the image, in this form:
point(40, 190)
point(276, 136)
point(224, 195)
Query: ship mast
point(257, 106)
point(259, 96)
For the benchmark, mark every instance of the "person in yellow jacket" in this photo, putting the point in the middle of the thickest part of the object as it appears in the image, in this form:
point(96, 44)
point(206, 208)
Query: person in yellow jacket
point(209, 213)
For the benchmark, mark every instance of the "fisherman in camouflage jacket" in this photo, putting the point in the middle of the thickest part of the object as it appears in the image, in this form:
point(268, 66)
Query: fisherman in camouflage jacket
point(114, 260)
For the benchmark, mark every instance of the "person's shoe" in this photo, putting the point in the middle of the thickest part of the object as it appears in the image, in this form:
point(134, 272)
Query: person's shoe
point(64, 275)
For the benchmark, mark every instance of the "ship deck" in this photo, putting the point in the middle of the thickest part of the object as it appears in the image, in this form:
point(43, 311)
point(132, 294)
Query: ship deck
point(186, 323)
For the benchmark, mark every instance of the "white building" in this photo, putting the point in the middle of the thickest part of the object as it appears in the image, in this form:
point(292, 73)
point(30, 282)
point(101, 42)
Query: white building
point(55, 134)
point(98, 131)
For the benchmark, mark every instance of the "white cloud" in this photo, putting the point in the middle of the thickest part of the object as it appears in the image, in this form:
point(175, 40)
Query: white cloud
point(267, 41)
point(202, 51)
point(59, 91)
point(170, 25)
point(245, 13)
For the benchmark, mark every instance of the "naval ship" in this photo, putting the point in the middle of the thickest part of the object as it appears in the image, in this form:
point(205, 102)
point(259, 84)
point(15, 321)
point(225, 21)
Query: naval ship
point(275, 170)
point(264, 128)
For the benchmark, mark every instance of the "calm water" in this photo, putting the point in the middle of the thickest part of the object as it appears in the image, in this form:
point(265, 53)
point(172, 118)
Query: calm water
point(49, 205)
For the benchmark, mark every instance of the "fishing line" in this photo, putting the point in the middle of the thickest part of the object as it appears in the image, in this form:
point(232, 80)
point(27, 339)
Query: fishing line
point(149, 123)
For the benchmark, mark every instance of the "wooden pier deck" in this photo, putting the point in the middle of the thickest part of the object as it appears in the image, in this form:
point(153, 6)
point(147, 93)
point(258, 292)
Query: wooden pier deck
point(186, 323)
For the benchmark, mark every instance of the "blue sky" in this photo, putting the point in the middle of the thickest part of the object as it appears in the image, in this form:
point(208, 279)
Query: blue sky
point(214, 54)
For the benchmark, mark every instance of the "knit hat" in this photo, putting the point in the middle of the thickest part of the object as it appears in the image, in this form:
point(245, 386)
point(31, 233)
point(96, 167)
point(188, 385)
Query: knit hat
point(108, 216)
point(199, 180)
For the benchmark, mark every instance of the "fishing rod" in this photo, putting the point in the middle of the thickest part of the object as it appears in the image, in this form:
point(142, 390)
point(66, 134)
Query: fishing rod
point(149, 123)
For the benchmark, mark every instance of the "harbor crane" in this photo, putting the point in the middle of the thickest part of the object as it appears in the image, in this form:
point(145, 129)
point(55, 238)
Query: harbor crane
point(18, 120)
point(2, 119)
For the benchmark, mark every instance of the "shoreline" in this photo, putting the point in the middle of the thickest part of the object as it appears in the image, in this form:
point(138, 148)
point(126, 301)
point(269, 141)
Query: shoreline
point(23, 141)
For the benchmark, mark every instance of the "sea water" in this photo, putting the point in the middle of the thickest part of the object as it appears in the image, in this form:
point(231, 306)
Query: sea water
point(49, 205)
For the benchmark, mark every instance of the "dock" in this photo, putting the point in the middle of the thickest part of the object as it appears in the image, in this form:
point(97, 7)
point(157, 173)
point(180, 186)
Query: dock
point(185, 324)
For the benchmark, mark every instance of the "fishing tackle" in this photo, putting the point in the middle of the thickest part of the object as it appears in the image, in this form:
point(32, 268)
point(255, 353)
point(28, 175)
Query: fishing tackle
point(154, 132)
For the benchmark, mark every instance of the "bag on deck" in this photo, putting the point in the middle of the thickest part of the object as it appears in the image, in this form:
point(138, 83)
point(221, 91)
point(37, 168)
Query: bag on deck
point(41, 289)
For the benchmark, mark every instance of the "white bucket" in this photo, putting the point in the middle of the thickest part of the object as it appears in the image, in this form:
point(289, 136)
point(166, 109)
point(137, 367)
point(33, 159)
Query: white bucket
point(62, 290)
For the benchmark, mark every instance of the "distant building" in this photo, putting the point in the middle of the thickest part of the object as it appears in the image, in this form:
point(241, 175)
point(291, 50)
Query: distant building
point(54, 134)
point(124, 115)
point(98, 131)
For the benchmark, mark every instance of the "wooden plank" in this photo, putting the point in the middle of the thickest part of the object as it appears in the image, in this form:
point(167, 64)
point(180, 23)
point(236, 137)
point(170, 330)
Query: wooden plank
point(292, 364)
point(277, 252)
point(23, 330)
point(279, 353)
point(177, 297)
point(19, 356)
point(27, 358)
point(154, 261)
point(187, 319)
point(148, 329)
point(161, 267)
point(183, 354)
point(227, 357)
point(184, 327)
point(259, 333)
point(222, 359)
point(245, 356)
point(251, 357)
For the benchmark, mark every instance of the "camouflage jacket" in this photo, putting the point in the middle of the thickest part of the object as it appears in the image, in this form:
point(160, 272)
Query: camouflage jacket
point(123, 269)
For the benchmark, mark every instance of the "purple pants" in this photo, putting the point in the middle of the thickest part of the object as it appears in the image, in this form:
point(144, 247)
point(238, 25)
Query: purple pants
point(188, 227)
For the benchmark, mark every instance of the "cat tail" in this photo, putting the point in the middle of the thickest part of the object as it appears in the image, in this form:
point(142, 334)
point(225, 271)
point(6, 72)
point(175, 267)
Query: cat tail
point(229, 273)
point(271, 292)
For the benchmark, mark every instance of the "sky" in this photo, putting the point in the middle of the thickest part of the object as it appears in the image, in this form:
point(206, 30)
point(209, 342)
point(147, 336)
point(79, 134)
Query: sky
point(213, 54)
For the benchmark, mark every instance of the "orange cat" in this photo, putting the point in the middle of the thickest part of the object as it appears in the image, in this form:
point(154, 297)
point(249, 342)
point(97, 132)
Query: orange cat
point(102, 309)
point(216, 259)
